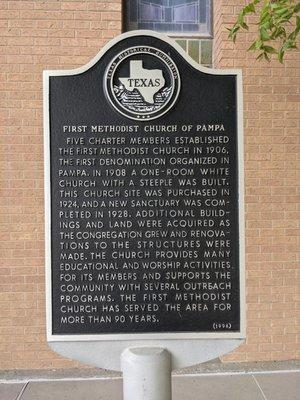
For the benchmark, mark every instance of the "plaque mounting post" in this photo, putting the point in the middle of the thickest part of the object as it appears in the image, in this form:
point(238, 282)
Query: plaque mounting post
point(146, 373)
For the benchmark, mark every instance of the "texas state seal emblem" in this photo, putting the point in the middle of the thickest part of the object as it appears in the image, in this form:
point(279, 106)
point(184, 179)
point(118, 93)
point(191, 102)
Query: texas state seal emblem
point(142, 83)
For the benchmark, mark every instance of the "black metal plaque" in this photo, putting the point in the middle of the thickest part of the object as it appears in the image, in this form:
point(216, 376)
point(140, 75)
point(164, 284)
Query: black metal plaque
point(144, 231)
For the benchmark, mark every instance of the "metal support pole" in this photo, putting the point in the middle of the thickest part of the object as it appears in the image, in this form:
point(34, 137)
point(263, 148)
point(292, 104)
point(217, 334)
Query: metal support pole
point(146, 373)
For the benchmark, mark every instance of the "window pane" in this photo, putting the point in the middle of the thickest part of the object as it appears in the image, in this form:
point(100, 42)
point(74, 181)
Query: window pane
point(186, 13)
point(206, 52)
point(172, 16)
point(193, 49)
point(199, 49)
point(182, 43)
point(150, 12)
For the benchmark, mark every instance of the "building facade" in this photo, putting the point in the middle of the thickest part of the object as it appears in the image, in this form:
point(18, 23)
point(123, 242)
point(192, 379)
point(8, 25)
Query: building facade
point(38, 35)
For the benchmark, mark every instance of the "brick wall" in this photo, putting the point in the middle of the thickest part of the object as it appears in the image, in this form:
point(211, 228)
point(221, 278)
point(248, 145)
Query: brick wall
point(37, 35)
point(272, 122)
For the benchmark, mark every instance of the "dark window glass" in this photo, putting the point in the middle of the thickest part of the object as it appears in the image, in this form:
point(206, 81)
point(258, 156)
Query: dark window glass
point(172, 16)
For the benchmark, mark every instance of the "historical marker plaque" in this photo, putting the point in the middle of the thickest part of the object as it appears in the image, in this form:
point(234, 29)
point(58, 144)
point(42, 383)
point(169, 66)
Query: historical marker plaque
point(144, 196)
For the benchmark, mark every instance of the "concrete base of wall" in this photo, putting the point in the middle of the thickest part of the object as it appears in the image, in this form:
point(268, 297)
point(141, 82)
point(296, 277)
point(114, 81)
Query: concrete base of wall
point(213, 367)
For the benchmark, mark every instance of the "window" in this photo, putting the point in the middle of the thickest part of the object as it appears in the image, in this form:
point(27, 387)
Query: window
point(175, 17)
point(188, 21)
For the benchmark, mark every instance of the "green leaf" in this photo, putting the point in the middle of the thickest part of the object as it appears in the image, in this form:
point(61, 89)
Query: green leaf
point(264, 16)
point(250, 8)
point(297, 23)
point(277, 23)
point(260, 56)
point(258, 44)
point(281, 55)
point(244, 25)
point(264, 34)
point(253, 46)
point(269, 49)
point(240, 19)
point(275, 6)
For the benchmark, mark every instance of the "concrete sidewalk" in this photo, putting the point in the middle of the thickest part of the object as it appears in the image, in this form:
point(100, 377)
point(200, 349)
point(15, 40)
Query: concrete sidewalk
point(226, 384)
